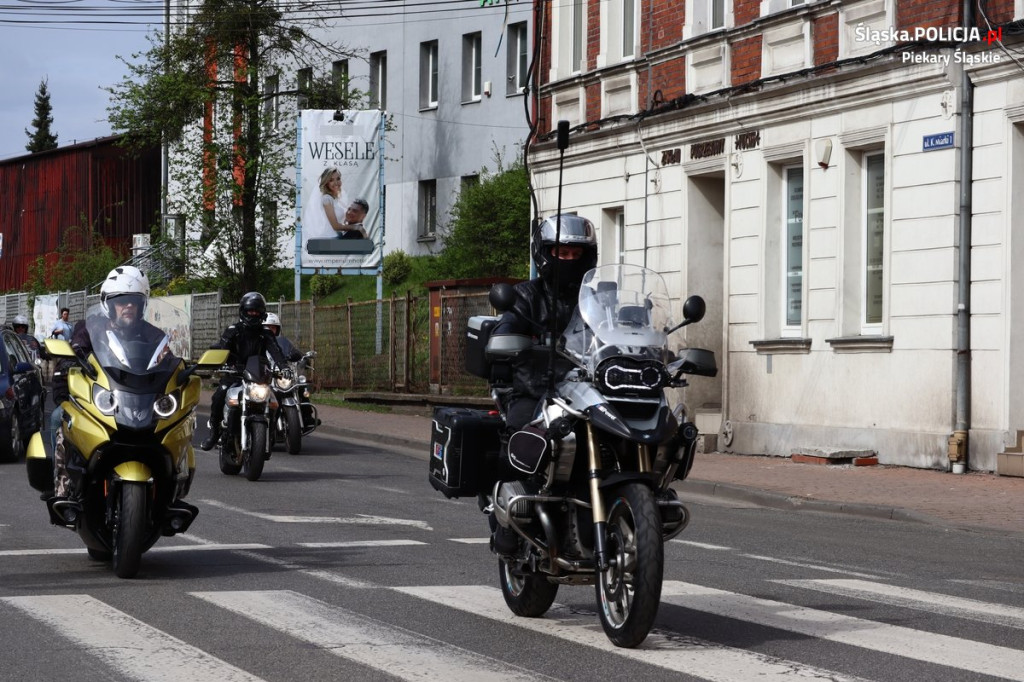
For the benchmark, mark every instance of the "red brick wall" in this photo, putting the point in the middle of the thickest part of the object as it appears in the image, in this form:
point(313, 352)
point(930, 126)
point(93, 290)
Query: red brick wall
point(593, 45)
point(998, 12)
point(544, 116)
point(745, 11)
point(912, 13)
point(669, 77)
point(746, 60)
point(667, 17)
point(825, 34)
point(593, 108)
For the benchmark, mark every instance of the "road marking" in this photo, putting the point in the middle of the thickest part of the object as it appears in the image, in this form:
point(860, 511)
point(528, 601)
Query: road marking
point(357, 520)
point(816, 567)
point(944, 604)
point(41, 552)
point(129, 646)
point(686, 655)
point(399, 652)
point(703, 545)
point(919, 645)
point(361, 543)
point(170, 548)
point(1017, 588)
point(471, 541)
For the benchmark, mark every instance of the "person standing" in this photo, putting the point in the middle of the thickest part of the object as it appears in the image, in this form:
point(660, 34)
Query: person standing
point(62, 327)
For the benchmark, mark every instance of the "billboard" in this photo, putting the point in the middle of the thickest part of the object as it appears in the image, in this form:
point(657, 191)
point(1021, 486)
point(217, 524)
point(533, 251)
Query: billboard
point(340, 211)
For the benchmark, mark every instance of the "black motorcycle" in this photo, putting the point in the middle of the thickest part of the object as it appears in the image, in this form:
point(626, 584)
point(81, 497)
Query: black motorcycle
point(248, 410)
point(586, 493)
point(295, 416)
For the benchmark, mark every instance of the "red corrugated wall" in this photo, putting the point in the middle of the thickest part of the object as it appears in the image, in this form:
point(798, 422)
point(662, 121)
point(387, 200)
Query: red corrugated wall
point(41, 195)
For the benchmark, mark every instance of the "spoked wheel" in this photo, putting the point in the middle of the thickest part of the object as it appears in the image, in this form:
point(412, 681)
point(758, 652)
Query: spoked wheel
point(292, 430)
point(629, 592)
point(129, 529)
point(253, 461)
point(526, 594)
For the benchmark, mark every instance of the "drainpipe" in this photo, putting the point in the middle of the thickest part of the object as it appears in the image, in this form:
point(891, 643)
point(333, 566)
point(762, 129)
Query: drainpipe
point(958, 444)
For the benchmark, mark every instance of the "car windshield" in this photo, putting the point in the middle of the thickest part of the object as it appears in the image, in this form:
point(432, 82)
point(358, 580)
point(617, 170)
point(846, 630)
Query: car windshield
point(622, 309)
point(137, 350)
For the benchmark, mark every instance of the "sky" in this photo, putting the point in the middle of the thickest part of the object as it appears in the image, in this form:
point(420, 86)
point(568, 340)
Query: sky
point(74, 45)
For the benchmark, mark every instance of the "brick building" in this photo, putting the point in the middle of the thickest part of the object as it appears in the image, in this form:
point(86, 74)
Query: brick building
point(813, 170)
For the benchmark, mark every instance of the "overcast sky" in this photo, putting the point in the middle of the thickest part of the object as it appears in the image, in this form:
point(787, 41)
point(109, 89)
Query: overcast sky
point(74, 45)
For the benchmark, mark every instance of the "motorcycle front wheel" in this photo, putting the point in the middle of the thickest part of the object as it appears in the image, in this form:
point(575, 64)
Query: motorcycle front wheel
point(526, 595)
point(129, 532)
point(292, 430)
point(629, 591)
point(252, 465)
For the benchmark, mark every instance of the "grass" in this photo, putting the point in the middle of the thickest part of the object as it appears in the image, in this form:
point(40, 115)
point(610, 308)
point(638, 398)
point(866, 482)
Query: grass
point(364, 287)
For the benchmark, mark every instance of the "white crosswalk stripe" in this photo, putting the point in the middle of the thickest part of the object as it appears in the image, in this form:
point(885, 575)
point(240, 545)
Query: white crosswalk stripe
point(402, 653)
point(129, 646)
point(686, 655)
point(936, 648)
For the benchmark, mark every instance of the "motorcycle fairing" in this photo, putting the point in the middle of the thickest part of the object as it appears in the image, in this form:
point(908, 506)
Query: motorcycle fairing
point(133, 471)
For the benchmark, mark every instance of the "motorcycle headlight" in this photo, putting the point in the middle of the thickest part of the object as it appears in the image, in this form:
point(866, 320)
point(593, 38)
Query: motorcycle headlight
point(283, 383)
point(166, 405)
point(104, 400)
point(257, 392)
point(628, 376)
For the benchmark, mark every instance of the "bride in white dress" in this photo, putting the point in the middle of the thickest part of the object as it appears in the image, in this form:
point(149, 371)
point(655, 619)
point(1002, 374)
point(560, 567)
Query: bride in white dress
point(324, 214)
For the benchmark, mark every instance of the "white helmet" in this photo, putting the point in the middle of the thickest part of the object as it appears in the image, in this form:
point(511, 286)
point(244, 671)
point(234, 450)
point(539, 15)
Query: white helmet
point(20, 320)
point(273, 321)
point(124, 281)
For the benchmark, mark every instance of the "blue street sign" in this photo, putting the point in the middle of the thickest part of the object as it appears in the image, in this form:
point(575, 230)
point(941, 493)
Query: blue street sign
point(937, 141)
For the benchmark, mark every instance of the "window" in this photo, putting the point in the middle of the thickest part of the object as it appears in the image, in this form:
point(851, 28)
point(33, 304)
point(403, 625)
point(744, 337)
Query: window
point(717, 14)
point(428, 209)
point(379, 80)
point(516, 61)
point(305, 81)
point(339, 79)
point(576, 60)
point(271, 110)
point(707, 15)
point(793, 248)
point(628, 29)
point(874, 234)
point(472, 82)
point(428, 75)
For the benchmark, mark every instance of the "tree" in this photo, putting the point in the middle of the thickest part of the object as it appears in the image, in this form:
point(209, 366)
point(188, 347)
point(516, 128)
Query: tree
point(42, 138)
point(490, 228)
point(81, 261)
point(208, 90)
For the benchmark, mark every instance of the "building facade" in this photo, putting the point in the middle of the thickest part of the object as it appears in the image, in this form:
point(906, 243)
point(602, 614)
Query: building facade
point(837, 180)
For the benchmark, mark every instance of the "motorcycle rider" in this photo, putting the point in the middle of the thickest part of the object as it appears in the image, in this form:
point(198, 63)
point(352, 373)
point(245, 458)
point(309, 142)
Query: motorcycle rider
point(244, 339)
point(273, 323)
point(123, 298)
point(20, 326)
point(564, 248)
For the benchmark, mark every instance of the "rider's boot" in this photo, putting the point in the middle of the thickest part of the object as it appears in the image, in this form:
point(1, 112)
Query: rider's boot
point(212, 439)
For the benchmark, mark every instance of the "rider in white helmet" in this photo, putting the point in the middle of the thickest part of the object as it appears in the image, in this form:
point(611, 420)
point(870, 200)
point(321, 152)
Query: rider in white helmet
point(20, 325)
point(273, 323)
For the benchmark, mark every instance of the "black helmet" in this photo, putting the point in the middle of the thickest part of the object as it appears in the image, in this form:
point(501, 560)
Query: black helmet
point(252, 302)
point(574, 231)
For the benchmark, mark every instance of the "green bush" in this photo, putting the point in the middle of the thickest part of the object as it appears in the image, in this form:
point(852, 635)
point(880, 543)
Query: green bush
point(397, 267)
point(323, 285)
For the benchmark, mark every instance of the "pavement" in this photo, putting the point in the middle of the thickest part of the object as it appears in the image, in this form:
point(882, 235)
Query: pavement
point(972, 501)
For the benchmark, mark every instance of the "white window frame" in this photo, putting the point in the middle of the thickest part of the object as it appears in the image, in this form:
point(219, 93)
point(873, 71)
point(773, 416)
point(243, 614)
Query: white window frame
point(628, 34)
point(429, 86)
point(379, 80)
point(472, 67)
point(789, 328)
point(517, 60)
point(868, 325)
point(701, 15)
point(339, 73)
point(578, 35)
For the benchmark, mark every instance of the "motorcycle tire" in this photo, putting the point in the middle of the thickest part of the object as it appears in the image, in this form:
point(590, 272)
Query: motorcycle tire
point(629, 590)
point(228, 448)
point(99, 554)
point(252, 465)
point(292, 430)
point(527, 595)
point(129, 529)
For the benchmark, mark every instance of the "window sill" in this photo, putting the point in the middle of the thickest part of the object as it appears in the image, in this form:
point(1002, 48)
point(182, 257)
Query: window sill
point(426, 238)
point(475, 100)
point(861, 344)
point(782, 346)
point(431, 107)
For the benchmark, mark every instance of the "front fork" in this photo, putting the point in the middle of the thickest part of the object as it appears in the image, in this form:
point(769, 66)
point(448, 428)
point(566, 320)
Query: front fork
point(597, 501)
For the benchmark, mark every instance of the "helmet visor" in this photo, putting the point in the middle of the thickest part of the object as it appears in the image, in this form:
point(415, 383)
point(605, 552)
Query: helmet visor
point(122, 300)
point(573, 230)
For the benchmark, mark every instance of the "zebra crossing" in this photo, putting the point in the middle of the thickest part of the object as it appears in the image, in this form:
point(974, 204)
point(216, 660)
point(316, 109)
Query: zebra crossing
point(133, 649)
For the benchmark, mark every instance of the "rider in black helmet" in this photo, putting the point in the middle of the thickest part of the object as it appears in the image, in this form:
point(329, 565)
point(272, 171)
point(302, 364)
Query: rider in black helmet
point(243, 339)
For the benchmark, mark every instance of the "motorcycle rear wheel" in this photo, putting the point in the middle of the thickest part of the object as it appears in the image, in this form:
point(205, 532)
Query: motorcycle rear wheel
point(129, 529)
point(629, 591)
point(252, 464)
point(527, 595)
point(292, 430)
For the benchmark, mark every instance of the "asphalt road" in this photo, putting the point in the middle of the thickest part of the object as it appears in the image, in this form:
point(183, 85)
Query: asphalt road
point(343, 563)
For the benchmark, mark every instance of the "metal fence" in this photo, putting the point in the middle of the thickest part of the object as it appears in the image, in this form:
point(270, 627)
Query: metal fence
point(456, 309)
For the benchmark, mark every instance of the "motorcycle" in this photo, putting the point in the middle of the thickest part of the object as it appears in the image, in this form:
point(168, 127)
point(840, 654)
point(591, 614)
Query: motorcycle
point(127, 435)
point(249, 407)
point(586, 491)
point(296, 417)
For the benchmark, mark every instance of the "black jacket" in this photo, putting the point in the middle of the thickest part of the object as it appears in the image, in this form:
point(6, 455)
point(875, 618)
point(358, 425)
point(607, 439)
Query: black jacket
point(242, 342)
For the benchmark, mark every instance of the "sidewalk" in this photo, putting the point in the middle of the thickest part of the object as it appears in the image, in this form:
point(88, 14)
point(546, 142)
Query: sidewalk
point(973, 500)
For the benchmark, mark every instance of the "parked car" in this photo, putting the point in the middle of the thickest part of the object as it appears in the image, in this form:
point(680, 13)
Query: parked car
point(22, 396)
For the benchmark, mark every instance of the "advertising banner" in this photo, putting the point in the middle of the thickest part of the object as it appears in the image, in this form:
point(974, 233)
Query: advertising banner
point(340, 222)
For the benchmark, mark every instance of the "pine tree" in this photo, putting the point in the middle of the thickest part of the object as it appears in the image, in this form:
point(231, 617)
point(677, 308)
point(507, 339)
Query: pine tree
point(42, 138)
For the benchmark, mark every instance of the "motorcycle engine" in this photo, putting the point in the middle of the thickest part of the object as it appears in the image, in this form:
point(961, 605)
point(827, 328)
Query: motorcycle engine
point(521, 511)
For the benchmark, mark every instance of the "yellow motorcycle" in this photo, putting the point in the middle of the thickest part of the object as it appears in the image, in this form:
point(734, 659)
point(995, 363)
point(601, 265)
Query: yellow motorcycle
point(127, 438)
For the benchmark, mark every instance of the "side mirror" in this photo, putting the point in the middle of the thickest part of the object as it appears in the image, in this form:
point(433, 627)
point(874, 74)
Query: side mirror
point(694, 309)
point(502, 296)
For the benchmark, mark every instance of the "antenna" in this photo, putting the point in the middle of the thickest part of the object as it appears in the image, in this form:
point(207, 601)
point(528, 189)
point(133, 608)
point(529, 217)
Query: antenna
point(563, 143)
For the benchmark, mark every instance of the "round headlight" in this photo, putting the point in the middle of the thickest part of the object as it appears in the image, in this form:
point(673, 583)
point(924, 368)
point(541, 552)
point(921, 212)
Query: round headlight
point(283, 383)
point(104, 400)
point(257, 392)
point(165, 406)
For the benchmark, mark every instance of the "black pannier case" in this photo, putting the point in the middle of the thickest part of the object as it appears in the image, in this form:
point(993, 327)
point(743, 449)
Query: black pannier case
point(464, 445)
